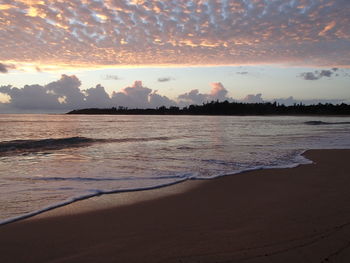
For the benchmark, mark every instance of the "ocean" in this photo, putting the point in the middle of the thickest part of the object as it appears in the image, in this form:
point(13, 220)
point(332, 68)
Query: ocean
point(51, 160)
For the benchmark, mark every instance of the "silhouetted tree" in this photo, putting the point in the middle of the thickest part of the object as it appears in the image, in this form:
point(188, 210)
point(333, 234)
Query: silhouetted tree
point(230, 108)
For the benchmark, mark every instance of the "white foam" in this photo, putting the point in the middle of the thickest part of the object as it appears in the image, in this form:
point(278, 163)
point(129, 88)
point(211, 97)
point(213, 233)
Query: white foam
point(83, 197)
point(184, 177)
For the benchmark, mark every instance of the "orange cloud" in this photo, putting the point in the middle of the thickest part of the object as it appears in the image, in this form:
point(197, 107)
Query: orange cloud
point(109, 33)
point(327, 28)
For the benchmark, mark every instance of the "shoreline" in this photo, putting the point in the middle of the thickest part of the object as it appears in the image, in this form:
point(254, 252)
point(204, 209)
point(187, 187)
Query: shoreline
point(288, 215)
point(56, 208)
point(215, 115)
point(129, 196)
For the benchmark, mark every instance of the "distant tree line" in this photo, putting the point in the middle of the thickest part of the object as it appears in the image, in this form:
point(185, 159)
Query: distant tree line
point(228, 108)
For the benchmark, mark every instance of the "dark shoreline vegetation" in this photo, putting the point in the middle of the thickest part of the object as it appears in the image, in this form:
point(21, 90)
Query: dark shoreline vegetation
point(227, 108)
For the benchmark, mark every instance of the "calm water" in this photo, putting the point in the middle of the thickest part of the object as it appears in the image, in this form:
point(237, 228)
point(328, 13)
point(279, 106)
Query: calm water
point(51, 159)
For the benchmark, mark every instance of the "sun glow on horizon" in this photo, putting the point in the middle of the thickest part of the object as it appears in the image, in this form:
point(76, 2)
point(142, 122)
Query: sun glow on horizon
point(4, 98)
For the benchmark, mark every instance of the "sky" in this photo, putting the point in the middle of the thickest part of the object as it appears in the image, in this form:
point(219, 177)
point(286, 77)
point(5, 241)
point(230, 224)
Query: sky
point(58, 55)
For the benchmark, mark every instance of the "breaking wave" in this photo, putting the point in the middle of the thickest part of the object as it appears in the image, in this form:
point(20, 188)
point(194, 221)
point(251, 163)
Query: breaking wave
point(29, 146)
point(325, 123)
point(131, 178)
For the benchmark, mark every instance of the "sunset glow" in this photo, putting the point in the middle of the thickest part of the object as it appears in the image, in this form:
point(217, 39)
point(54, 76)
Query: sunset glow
point(98, 37)
point(86, 33)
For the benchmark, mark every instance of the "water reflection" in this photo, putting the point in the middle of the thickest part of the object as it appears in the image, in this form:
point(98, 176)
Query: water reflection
point(142, 151)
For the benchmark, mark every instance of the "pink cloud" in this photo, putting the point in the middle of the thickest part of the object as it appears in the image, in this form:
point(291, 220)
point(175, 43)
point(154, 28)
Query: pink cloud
point(65, 94)
point(220, 32)
point(218, 91)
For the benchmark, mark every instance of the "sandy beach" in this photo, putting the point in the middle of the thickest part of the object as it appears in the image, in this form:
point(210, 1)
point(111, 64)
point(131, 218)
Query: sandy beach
point(298, 214)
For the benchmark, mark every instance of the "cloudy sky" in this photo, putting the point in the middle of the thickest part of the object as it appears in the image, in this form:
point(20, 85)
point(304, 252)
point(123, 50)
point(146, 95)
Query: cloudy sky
point(57, 55)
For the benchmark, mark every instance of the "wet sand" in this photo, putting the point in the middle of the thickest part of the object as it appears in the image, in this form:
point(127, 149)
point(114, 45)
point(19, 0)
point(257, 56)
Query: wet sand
point(299, 214)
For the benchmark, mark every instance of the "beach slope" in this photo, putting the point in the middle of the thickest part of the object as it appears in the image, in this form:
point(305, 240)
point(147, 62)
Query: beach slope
point(299, 214)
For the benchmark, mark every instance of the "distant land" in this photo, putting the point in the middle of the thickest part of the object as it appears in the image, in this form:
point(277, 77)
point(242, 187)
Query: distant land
point(228, 108)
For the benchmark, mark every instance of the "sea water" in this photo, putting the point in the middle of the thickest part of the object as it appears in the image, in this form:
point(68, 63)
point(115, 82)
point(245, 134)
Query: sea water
point(48, 160)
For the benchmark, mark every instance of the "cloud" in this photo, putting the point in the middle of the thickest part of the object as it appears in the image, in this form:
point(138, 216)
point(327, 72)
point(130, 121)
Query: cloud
point(166, 79)
point(309, 76)
point(157, 100)
point(61, 94)
point(3, 68)
point(30, 97)
point(97, 98)
point(138, 96)
point(316, 75)
point(84, 33)
point(291, 100)
point(111, 77)
point(251, 98)
point(66, 94)
point(217, 92)
point(193, 97)
point(135, 96)
point(249, 71)
point(257, 98)
point(67, 90)
point(242, 73)
point(326, 73)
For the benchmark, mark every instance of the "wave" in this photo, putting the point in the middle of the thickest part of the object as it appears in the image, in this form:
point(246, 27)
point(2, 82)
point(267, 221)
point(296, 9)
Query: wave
point(29, 146)
point(22, 146)
point(83, 197)
point(325, 123)
point(185, 148)
point(296, 161)
point(131, 178)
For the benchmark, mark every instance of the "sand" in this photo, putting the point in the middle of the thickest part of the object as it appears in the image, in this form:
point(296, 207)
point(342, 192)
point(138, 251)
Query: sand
point(278, 215)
